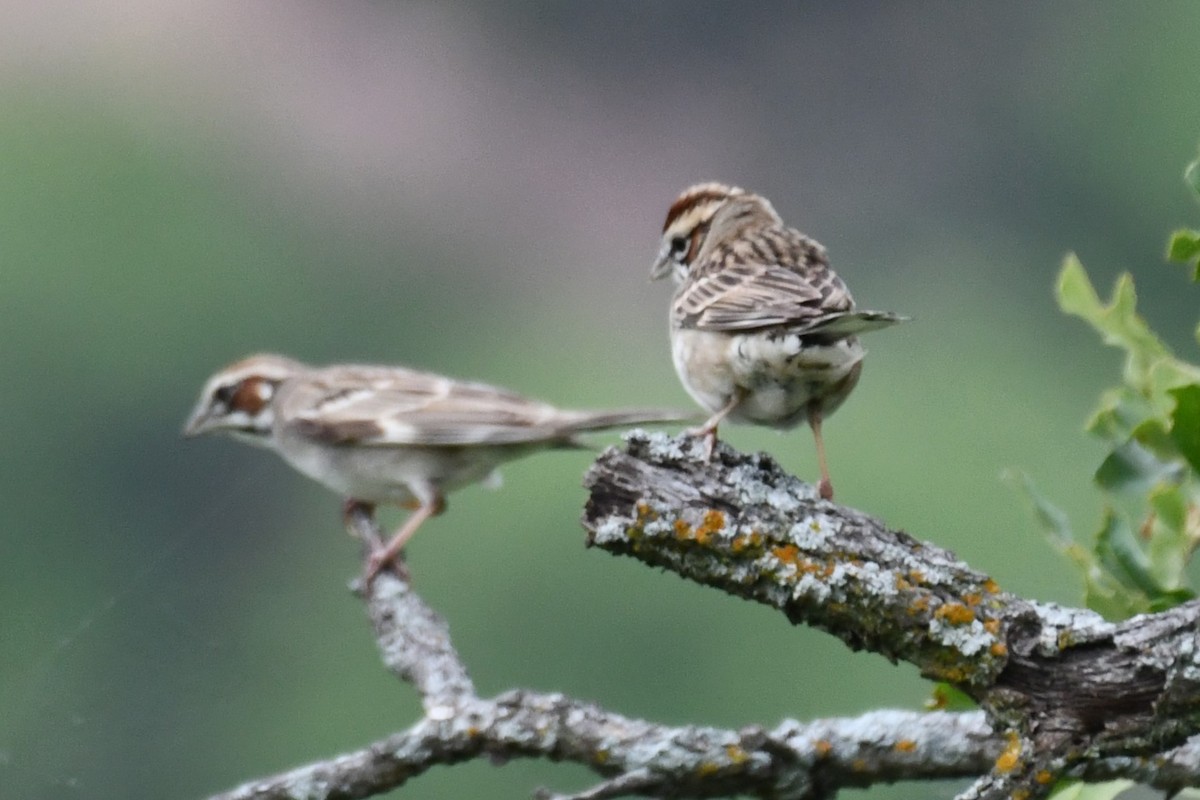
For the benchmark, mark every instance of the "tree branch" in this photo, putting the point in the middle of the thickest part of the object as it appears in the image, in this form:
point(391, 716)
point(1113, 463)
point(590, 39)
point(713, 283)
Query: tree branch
point(1072, 688)
point(633, 756)
point(1065, 694)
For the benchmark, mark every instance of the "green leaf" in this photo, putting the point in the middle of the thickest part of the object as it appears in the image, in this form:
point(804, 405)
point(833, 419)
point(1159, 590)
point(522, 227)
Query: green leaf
point(1175, 597)
point(1134, 468)
point(1118, 322)
point(1170, 541)
point(1184, 245)
point(947, 697)
point(1077, 790)
point(1112, 418)
point(1102, 591)
point(1185, 423)
point(1167, 374)
point(1075, 292)
point(1121, 555)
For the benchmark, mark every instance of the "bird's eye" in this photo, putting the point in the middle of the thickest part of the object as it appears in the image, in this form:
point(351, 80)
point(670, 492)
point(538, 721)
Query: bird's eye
point(679, 247)
point(226, 393)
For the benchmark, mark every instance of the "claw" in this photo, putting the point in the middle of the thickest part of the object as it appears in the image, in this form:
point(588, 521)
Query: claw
point(709, 434)
point(379, 560)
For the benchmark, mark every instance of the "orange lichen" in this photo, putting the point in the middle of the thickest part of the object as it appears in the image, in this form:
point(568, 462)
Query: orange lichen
point(859, 765)
point(916, 577)
point(1010, 759)
point(788, 554)
point(823, 748)
point(992, 626)
point(999, 649)
point(472, 732)
point(736, 754)
point(708, 768)
point(906, 745)
point(972, 598)
point(953, 674)
point(744, 541)
point(919, 606)
point(683, 531)
point(955, 614)
point(645, 513)
point(713, 522)
point(901, 584)
point(991, 587)
point(1044, 776)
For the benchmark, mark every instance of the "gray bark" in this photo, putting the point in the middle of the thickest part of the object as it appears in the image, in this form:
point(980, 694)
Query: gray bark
point(1063, 693)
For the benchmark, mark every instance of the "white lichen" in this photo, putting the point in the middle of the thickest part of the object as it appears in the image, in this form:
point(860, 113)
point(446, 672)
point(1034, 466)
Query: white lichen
point(813, 532)
point(967, 639)
point(811, 588)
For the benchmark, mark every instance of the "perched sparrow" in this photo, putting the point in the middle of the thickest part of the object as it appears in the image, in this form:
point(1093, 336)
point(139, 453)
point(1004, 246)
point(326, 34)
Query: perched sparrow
point(762, 330)
point(387, 434)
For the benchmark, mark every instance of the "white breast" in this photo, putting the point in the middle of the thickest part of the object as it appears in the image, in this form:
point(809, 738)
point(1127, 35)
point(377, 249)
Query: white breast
point(776, 376)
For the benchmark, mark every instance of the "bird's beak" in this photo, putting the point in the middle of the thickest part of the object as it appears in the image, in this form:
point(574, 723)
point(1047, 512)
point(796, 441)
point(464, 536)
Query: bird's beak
point(197, 423)
point(662, 266)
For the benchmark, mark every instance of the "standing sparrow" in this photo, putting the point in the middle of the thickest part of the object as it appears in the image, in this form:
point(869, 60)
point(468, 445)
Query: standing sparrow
point(762, 330)
point(388, 434)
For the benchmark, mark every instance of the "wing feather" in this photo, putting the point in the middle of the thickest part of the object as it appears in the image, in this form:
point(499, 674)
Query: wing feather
point(387, 407)
point(774, 277)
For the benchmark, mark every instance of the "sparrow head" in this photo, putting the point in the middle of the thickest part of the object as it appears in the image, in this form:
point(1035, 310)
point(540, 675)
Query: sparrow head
point(687, 226)
point(238, 399)
point(706, 212)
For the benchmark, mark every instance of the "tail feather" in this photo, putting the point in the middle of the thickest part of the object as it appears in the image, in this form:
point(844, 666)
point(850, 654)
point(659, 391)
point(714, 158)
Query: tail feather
point(625, 417)
point(851, 323)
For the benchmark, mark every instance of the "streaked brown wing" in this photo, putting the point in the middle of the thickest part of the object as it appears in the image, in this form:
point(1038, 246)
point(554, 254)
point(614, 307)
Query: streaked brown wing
point(384, 407)
point(777, 277)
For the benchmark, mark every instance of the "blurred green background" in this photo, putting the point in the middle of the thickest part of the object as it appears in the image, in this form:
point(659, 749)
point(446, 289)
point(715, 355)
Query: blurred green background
point(478, 189)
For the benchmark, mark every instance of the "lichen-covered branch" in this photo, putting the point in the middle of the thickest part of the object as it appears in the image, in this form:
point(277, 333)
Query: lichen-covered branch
point(1072, 689)
point(1064, 693)
point(742, 525)
point(796, 760)
point(632, 756)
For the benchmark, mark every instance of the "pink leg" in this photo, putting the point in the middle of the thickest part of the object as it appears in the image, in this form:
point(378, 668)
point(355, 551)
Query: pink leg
point(825, 487)
point(709, 429)
point(431, 504)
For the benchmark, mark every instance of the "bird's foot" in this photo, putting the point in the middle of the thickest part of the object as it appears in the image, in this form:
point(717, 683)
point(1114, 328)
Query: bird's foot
point(709, 434)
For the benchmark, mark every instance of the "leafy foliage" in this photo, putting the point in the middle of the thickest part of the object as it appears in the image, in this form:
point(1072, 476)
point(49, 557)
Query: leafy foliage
point(1184, 244)
point(1150, 478)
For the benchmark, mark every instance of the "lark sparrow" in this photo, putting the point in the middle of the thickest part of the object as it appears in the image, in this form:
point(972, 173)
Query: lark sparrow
point(762, 330)
point(388, 434)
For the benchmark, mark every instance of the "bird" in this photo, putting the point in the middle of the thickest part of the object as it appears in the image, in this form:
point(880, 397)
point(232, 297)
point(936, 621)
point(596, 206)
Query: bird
point(387, 434)
point(761, 329)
